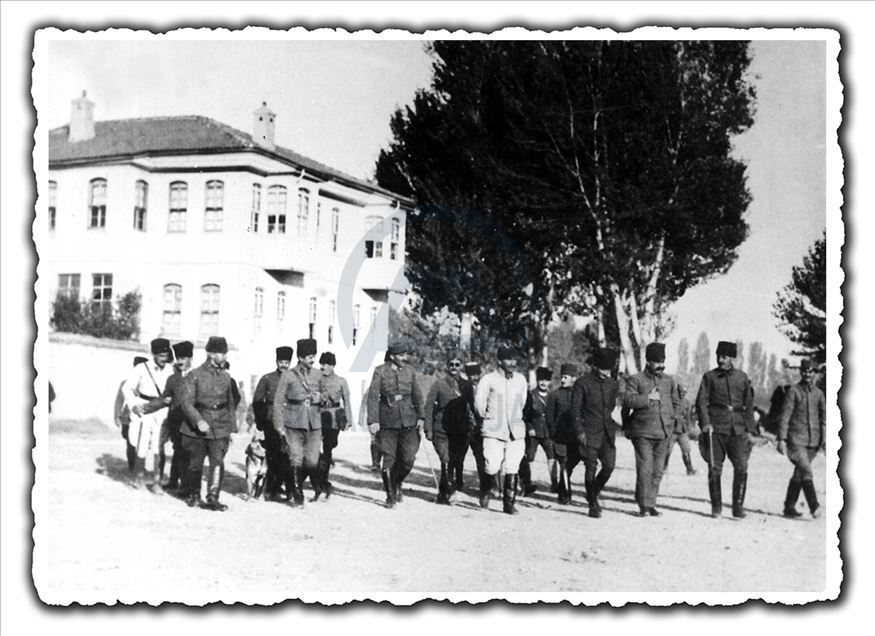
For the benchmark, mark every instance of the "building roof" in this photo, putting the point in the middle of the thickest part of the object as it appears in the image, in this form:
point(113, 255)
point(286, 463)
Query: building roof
point(189, 134)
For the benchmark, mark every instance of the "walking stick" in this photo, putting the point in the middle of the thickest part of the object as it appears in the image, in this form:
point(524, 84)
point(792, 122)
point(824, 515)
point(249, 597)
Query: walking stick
point(433, 474)
point(711, 450)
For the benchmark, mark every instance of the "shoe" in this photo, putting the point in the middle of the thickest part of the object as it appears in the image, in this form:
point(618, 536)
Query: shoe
point(192, 501)
point(642, 512)
point(653, 512)
point(595, 512)
point(691, 472)
point(214, 505)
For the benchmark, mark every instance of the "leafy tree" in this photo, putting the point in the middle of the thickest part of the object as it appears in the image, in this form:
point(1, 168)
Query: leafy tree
point(591, 177)
point(801, 305)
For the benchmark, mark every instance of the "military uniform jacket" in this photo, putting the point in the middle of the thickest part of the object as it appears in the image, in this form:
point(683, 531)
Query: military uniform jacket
point(684, 419)
point(208, 397)
point(448, 407)
point(395, 397)
point(535, 415)
point(593, 399)
point(560, 421)
point(803, 417)
point(175, 390)
point(262, 399)
point(725, 402)
point(335, 395)
point(500, 401)
point(293, 403)
point(646, 418)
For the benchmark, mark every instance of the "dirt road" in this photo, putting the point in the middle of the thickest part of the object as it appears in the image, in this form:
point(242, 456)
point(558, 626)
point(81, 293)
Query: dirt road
point(101, 540)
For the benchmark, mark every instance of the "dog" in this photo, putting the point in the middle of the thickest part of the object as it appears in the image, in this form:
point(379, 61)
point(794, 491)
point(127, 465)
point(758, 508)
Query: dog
point(256, 467)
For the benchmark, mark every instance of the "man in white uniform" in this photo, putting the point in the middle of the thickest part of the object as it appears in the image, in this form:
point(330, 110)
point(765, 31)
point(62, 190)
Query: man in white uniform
point(143, 390)
point(499, 400)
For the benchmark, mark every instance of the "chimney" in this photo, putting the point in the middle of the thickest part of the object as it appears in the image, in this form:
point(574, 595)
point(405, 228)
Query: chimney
point(263, 127)
point(82, 119)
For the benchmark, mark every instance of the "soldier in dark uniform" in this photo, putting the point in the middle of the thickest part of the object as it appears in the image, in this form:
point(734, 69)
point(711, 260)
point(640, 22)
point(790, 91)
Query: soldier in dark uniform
point(276, 454)
point(446, 425)
point(683, 423)
point(725, 408)
point(475, 437)
point(209, 420)
point(395, 410)
point(535, 415)
point(175, 390)
point(652, 399)
point(593, 399)
point(335, 412)
point(801, 434)
point(560, 425)
point(296, 415)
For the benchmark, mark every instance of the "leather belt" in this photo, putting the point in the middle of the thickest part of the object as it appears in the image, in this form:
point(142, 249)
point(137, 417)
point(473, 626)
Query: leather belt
point(728, 407)
point(397, 397)
point(148, 397)
point(304, 401)
point(210, 407)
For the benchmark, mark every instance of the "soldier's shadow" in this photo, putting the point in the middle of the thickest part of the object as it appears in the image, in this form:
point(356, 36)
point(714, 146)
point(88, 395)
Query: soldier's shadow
point(115, 468)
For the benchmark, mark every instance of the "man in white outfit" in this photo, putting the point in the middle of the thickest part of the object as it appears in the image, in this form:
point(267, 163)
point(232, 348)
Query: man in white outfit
point(500, 398)
point(143, 390)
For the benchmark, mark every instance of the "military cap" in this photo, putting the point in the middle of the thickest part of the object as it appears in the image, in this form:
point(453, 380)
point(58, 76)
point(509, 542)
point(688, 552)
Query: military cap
point(183, 349)
point(284, 353)
point(160, 345)
point(604, 358)
point(725, 348)
point(506, 352)
point(306, 347)
point(568, 369)
point(453, 355)
point(138, 360)
point(396, 347)
point(806, 365)
point(217, 344)
point(472, 368)
point(327, 358)
point(543, 373)
point(655, 352)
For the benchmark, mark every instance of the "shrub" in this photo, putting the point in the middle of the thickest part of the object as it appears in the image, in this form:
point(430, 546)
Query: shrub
point(119, 320)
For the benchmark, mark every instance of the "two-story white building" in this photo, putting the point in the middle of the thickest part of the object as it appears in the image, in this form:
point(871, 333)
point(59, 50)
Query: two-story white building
point(223, 232)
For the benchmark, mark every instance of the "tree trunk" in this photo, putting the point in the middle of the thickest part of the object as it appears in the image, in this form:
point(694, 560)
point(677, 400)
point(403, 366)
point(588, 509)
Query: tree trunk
point(629, 363)
point(465, 322)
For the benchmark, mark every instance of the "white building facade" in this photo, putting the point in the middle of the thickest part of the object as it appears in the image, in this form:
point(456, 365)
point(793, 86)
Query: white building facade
point(223, 233)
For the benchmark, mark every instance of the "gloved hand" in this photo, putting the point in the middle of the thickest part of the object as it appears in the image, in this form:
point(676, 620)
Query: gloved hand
point(203, 427)
point(530, 432)
point(374, 427)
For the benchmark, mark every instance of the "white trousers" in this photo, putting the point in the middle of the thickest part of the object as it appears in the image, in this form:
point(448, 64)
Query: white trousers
point(144, 434)
point(500, 454)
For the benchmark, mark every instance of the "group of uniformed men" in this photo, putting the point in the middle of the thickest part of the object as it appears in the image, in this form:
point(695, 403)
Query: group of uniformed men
point(300, 410)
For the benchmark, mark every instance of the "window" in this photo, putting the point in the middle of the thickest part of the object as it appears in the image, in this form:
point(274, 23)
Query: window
point(280, 307)
point(141, 195)
point(258, 310)
point(312, 317)
point(318, 214)
point(171, 320)
point(97, 203)
point(256, 207)
point(373, 317)
point(303, 210)
point(101, 291)
point(335, 227)
point(396, 239)
point(53, 202)
point(373, 249)
point(176, 219)
point(331, 318)
point(356, 314)
point(209, 311)
point(213, 210)
point(68, 285)
point(276, 209)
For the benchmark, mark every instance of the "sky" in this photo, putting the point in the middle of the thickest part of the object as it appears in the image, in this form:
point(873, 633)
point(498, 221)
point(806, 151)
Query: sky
point(334, 100)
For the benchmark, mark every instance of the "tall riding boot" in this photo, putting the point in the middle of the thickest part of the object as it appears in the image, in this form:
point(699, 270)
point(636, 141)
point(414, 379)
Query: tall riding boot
point(509, 494)
point(317, 478)
point(389, 488)
point(327, 488)
point(811, 497)
point(397, 480)
point(554, 475)
point(793, 489)
point(175, 468)
point(595, 510)
point(131, 454)
point(562, 489)
point(296, 487)
point(486, 489)
point(375, 457)
point(715, 493)
point(214, 487)
point(688, 462)
point(459, 471)
point(444, 486)
point(739, 489)
point(525, 477)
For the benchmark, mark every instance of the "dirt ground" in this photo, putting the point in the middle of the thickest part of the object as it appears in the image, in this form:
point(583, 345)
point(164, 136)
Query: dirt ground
point(99, 540)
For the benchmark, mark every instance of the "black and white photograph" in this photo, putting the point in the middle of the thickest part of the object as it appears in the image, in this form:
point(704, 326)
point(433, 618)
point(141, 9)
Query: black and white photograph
point(526, 314)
